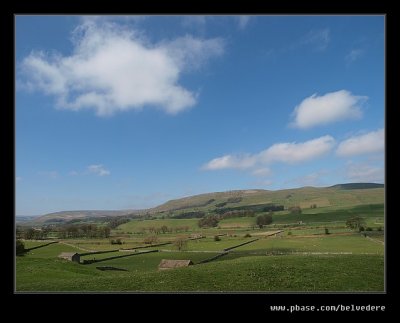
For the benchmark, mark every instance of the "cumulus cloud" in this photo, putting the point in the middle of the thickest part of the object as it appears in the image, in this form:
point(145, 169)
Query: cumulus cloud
point(289, 152)
point(365, 173)
point(331, 107)
point(369, 143)
point(98, 170)
point(113, 68)
point(293, 152)
point(231, 161)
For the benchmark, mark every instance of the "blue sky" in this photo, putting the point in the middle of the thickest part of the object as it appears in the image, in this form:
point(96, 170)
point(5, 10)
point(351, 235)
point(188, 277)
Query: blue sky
point(128, 112)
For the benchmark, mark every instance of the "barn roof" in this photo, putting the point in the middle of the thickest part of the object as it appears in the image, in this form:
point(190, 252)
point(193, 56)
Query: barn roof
point(67, 254)
point(170, 263)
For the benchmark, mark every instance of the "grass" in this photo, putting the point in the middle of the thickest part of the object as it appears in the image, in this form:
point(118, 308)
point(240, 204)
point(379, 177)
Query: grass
point(355, 244)
point(371, 211)
point(258, 273)
point(311, 260)
point(138, 225)
point(51, 251)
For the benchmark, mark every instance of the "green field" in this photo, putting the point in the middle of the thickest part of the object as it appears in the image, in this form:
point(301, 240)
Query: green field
point(255, 273)
point(303, 257)
point(289, 263)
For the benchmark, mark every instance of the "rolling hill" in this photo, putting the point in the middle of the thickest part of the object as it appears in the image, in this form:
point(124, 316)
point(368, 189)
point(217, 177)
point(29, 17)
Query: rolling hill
point(335, 196)
point(340, 195)
point(65, 216)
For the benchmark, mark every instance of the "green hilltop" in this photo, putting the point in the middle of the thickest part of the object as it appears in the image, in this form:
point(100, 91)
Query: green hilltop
point(341, 195)
point(337, 196)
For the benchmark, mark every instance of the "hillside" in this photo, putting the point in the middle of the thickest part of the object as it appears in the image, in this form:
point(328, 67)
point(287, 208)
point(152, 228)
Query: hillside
point(340, 195)
point(360, 186)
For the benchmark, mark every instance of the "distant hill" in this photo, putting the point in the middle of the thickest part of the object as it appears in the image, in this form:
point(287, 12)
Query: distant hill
point(24, 218)
point(340, 195)
point(65, 216)
point(357, 186)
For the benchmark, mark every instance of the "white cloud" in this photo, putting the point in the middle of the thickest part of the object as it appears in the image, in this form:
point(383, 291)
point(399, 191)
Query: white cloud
point(243, 21)
point(290, 153)
point(317, 38)
point(261, 172)
point(190, 53)
point(353, 55)
point(18, 178)
point(98, 170)
point(369, 143)
point(115, 69)
point(321, 110)
point(365, 173)
point(73, 173)
point(230, 161)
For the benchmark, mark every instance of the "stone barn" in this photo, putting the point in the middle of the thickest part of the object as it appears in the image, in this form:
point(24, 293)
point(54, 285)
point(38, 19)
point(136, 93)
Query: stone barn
point(71, 256)
point(171, 264)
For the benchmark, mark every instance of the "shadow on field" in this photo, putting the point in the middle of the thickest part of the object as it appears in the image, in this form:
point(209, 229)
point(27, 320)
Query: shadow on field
point(92, 261)
point(41, 246)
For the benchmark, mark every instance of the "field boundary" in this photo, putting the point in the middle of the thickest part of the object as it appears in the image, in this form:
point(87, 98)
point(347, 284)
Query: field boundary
point(41, 246)
point(87, 262)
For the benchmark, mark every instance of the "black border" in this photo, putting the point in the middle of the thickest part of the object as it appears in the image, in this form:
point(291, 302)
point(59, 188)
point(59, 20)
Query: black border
point(203, 306)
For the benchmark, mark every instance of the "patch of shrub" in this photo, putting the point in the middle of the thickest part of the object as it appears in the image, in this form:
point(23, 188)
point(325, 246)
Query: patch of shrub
point(208, 221)
point(116, 241)
point(217, 238)
point(247, 235)
point(234, 200)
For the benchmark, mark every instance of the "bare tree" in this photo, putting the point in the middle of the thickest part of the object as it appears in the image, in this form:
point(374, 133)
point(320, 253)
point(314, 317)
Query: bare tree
point(180, 243)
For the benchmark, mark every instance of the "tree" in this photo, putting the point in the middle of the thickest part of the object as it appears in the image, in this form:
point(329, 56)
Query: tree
point(208, 221)
point(180, 243)
point(29, 234)
point(20, 247)
point(264, 219)
point(355, 223)
point(150, 240)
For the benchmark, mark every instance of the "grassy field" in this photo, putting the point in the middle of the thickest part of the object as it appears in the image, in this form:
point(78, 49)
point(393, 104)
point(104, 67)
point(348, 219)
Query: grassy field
point(322, 263)
point(301, 258)
point(139, 225)
point(257, 273)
